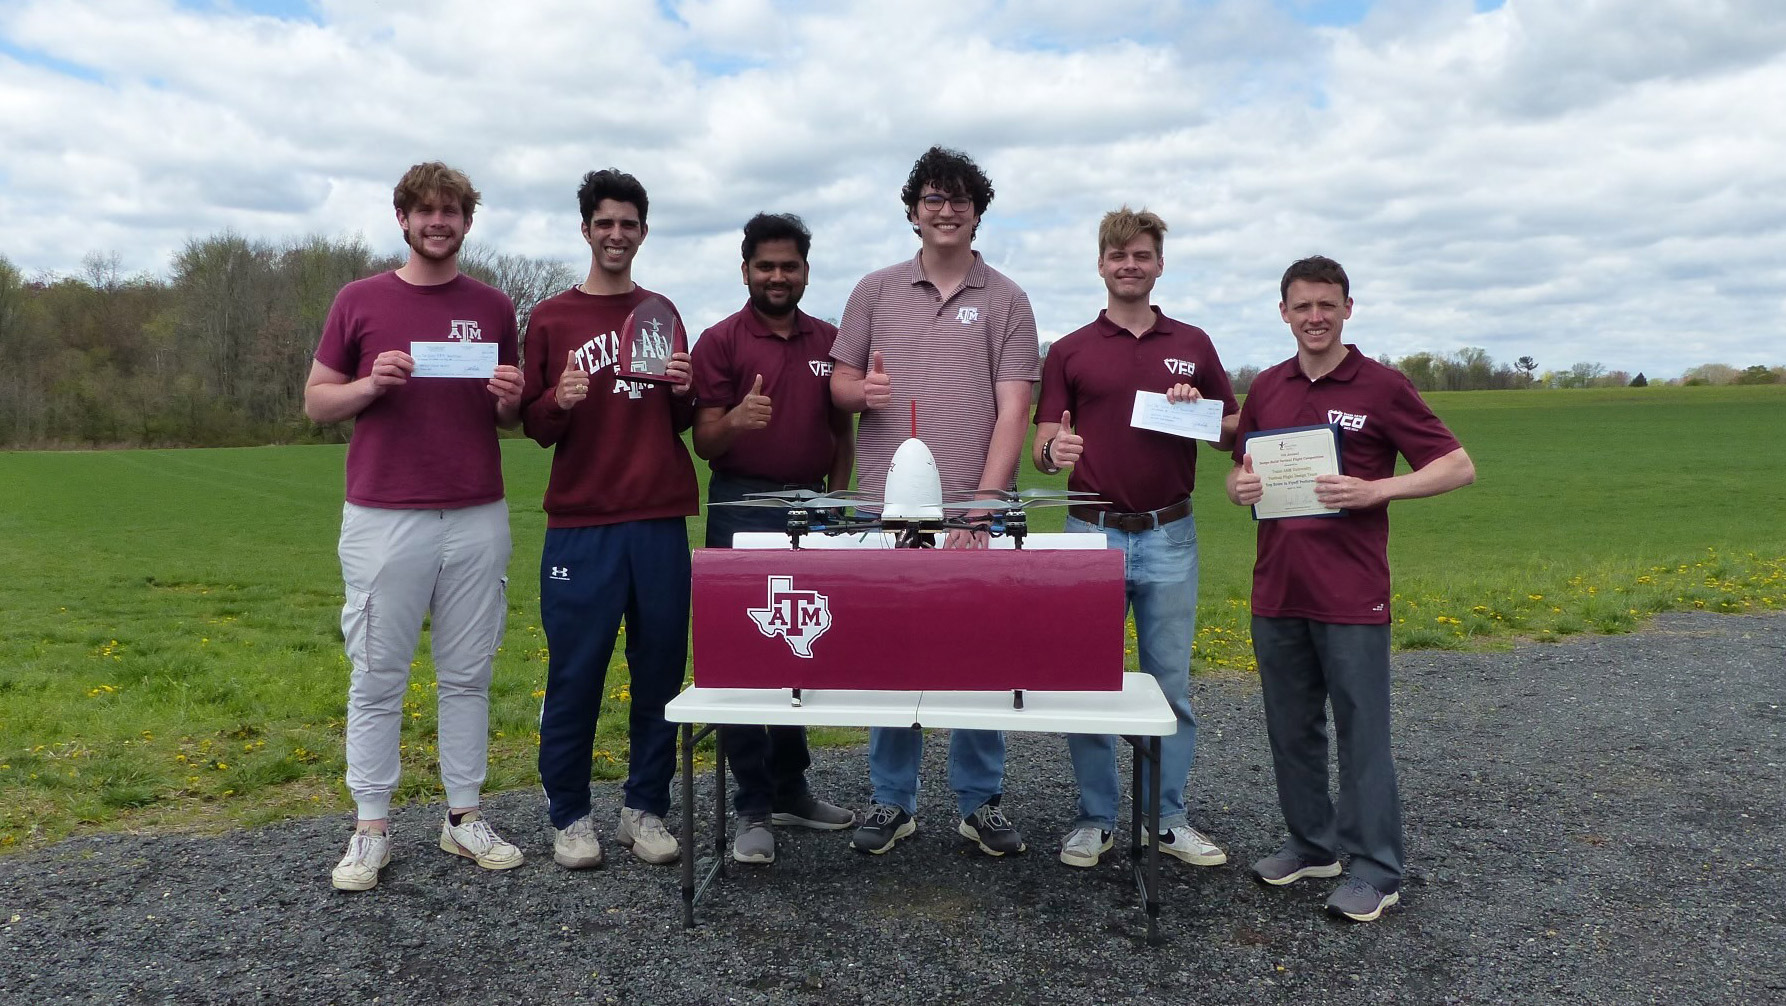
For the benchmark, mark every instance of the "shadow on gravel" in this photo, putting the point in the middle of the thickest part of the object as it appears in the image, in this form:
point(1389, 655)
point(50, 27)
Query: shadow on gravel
point(1598, 821)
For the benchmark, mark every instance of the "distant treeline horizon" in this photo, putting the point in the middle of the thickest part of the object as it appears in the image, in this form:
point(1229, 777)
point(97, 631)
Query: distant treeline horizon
point(216, 354)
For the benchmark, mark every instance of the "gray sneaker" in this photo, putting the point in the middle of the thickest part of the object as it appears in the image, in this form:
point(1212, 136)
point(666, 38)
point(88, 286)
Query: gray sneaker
point(755, 841)
point(644, 833)
point(1359, 901)
point(1285, 867)
point(811, 812)
point(576, 847)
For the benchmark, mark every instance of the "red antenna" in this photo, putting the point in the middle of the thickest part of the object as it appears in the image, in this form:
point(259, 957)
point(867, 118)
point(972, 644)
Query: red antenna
point(914, 419)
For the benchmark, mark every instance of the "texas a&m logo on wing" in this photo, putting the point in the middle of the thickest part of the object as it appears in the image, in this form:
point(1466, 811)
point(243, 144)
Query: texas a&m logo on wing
point(799, 616)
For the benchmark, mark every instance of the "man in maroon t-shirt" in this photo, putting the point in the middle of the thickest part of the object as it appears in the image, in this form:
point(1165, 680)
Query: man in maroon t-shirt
point(764, 421)
point(621, 488)
point(425, 526)
point(1091, 381)
point(1321, 591)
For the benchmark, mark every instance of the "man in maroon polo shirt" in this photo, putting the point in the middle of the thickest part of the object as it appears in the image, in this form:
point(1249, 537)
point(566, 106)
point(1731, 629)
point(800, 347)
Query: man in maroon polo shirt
point(1321, 591)
point(764, 421)
point(1143, 478)
point(954, 335)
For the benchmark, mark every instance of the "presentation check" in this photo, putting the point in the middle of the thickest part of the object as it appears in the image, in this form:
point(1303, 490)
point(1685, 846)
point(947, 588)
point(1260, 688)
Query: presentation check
point(1201, 419)
point(453, 359)
point(1287, 463)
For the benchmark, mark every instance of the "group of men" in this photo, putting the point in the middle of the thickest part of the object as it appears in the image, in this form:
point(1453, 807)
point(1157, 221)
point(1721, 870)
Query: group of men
point(772, 396)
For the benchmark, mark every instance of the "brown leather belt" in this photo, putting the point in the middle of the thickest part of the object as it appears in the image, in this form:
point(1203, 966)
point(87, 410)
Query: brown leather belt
point(1133, 522)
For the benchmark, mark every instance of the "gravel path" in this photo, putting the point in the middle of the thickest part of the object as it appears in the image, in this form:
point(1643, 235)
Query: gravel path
point(1596, 821)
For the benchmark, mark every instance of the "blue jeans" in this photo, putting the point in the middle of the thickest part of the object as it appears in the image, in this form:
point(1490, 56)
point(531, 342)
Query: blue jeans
point(592, 578)
point(1160, 580)
point(976, 766)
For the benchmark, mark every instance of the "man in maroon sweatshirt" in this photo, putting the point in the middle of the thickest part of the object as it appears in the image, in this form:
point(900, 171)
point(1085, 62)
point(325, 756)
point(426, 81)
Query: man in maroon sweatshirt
point(616, 547)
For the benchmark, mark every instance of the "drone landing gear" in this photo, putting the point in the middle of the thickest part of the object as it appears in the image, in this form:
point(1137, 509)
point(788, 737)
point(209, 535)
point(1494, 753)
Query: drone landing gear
point(1016, 698)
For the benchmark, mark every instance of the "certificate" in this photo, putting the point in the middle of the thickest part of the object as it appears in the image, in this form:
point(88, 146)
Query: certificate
point(453, 359)
point(1201, 419)
point(1287, 462)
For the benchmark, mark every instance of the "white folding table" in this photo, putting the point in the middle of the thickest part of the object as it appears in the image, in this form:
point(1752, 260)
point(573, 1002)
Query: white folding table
point(1138, 713)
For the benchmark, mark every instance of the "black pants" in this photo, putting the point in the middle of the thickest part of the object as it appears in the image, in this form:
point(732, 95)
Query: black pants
point(768, 763)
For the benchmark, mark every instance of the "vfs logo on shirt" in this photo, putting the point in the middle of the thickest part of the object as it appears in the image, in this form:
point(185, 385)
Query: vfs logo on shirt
point(1345, 420)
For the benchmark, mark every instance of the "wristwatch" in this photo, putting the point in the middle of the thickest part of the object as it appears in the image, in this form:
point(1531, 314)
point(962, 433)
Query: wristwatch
point(1048, 457)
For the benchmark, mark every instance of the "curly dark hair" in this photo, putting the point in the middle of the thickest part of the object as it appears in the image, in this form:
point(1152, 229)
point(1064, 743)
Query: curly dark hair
point(776, 227)
point(1314, 269)
point(950, 172)
point(611, 183)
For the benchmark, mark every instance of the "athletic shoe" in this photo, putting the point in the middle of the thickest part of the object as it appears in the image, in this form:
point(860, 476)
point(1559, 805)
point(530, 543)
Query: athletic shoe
point(811, 812)
point(1285, 867)
point(644, 833)
point(1084, 846)
point(1359, 901)
point(474, 839)
point(1187, 843)
point(755, 841)
point(367, 853)
point(576, 847)
point(885, 825)
point(993, 831)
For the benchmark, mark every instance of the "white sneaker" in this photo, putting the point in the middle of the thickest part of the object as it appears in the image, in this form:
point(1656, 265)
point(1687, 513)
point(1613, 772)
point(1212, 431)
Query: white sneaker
point(646, 836)
point(576, 847)
point(367, 853)
point(1190, 845)
point(1084, 846)
point(474, 839)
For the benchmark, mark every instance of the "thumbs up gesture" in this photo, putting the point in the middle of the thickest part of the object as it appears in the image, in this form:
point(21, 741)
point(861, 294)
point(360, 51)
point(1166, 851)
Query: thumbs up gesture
point(573, 383)
point(877, 387)
point(1245, 485)
point(754, 411)
point(1066, 447)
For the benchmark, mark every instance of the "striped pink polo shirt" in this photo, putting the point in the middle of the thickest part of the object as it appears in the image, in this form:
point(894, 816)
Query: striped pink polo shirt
point(944, 354)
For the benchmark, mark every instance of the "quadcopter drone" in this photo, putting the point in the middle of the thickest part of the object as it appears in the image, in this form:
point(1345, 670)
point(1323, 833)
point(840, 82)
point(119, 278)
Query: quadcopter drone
point(914, 510)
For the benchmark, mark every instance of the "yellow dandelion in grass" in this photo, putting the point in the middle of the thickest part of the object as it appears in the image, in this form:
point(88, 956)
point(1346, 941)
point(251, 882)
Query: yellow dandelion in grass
point(539, 693)
point(1536, 597)
point(222, 765)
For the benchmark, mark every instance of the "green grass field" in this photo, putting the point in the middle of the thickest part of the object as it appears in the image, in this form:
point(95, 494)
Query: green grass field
point(170, 658)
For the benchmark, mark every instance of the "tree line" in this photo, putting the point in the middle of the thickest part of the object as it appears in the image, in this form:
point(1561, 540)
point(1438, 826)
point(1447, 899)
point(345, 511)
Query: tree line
point(216, 354)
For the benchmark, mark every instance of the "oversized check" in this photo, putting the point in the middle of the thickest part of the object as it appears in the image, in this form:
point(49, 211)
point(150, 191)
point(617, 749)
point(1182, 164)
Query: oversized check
point(453, 359)
point(1287, 462)
point(1201, 419)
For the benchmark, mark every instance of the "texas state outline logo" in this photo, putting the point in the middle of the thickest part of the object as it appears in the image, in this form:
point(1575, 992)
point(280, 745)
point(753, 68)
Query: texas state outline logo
point(798, 616)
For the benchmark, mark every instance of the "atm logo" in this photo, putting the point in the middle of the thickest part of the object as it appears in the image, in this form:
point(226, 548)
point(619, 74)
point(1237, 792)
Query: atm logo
point(798, 616)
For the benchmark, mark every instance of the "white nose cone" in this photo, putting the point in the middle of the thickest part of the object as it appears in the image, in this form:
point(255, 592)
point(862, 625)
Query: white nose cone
point(914, 489)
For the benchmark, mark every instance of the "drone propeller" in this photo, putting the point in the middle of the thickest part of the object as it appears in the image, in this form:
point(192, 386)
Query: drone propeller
point(1030, 494)
point(809, 501)
point(1023, 503)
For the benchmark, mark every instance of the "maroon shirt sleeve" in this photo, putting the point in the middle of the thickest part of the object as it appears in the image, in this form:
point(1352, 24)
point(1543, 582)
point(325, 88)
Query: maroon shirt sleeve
point(1056, 397)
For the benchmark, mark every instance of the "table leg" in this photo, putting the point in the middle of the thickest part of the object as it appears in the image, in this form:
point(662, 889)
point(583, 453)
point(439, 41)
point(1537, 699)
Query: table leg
point(719, 802)
point(688, 825)
point(1153, 849)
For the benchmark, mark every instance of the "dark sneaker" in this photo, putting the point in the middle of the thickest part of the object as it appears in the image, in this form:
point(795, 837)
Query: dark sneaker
point(1285, 867)
point(1359, 901)
point(884, 825)
point(992, 830)
point(811, 812)
point(755, 841)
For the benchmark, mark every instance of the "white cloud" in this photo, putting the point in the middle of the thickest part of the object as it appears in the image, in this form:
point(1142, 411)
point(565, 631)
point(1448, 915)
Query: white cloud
point(1578, 180)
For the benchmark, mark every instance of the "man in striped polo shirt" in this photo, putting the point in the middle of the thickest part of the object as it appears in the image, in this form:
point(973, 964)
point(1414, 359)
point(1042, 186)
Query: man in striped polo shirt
point(954, 335)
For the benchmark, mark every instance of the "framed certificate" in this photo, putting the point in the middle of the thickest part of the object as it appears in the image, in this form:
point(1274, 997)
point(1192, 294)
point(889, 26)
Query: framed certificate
point(1288, 461)
point(649, 336)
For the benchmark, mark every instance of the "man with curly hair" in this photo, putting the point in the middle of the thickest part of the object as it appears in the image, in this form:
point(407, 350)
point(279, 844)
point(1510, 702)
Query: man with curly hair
point(954, 335)
point(425, 528)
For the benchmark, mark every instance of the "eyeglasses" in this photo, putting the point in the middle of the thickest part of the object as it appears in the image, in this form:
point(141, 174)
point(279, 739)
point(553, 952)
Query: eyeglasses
point(934, 202)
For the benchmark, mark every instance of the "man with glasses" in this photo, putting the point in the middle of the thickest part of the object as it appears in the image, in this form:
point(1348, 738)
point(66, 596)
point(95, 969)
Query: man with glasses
point(1145, 477)
point(950, 333)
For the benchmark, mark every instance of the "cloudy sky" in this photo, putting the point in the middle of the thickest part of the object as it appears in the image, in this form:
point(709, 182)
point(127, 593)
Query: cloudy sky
point(1577, 180)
